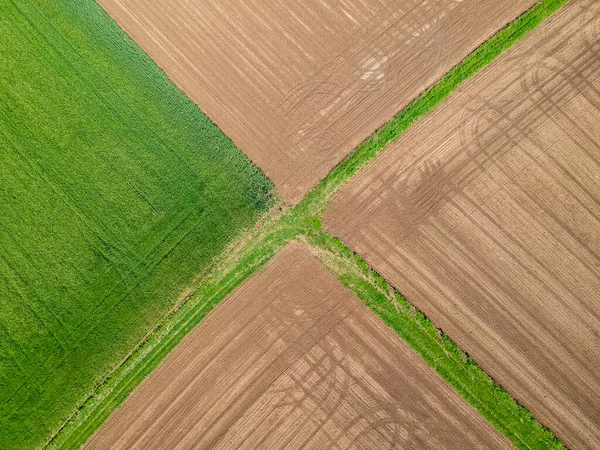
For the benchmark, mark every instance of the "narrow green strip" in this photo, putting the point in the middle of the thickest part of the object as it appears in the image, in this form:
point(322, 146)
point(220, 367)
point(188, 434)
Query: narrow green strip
point(302, 222)
point(232, 271)
point(442, 354)
point(316, 200)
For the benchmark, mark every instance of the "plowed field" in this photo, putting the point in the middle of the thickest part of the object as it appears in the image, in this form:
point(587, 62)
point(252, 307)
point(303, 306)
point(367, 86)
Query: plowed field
point(294, 360)
point(486, 215)
point(297, 85)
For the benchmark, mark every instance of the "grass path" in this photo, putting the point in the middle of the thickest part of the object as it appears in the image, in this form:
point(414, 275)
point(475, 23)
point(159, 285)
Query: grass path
point(302, 223)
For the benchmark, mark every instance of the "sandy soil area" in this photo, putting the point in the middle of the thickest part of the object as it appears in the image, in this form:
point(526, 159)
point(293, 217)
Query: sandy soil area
point(486, 215)
point(292, 359)
point(298, 85)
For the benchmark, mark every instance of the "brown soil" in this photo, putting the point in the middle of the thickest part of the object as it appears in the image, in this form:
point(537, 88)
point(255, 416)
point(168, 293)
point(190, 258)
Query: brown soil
point(486, 215)
point(298, 85)
point(292, 359)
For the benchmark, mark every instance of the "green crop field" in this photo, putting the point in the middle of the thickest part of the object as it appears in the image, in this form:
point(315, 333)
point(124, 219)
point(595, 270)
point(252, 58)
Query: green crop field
point(115, 192)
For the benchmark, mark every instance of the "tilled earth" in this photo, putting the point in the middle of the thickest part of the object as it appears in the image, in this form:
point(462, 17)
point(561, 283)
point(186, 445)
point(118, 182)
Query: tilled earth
point(298, 85)
point(292, 359)
point(486, 216)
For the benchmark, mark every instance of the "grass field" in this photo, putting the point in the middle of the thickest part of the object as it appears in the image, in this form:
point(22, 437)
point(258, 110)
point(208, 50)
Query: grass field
point(115, 193)
point(302, 223)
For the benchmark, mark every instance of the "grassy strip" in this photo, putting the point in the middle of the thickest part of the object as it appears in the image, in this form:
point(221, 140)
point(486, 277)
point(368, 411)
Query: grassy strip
point(442, 354)
point(316, 201)
point(232, 271)
point(302, 222)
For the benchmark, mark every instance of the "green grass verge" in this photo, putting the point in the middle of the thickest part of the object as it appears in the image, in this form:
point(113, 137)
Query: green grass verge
point(302, 222)
point(116, 192)
point(317, 199)
point(442, 354)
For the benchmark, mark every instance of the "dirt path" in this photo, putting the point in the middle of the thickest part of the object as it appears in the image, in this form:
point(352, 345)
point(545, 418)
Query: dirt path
point(486, 215)
point(292, 359)
point(298, 85)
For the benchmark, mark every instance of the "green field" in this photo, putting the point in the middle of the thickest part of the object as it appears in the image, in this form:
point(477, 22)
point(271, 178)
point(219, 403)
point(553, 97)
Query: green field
point(115, 192)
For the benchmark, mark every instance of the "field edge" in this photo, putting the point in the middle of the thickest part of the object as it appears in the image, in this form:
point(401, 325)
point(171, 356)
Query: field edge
point(316, 200)
point(442, 354)
point(236, 264)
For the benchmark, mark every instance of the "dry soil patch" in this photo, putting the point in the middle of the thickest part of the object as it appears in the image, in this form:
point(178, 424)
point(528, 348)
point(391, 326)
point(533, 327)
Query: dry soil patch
point(298, 85)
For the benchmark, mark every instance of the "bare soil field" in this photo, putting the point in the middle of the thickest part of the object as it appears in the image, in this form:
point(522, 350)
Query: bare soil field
point(486, 216)
point(298, 85)
point(292, 359)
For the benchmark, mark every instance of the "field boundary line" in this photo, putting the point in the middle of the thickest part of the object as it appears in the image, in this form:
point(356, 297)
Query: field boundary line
point(438, 350)
point(302, 222)
point(244, 258)
point(315, 201)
